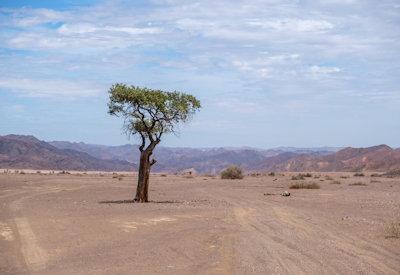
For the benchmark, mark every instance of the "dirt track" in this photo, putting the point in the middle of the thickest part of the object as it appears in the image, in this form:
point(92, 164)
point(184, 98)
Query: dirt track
point(80, 224)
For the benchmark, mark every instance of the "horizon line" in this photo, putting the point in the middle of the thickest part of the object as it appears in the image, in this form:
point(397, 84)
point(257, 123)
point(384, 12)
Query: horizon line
point(210, 147)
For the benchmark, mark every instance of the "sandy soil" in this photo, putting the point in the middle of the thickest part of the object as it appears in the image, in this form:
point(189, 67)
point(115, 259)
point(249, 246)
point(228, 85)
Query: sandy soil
point(81, 224)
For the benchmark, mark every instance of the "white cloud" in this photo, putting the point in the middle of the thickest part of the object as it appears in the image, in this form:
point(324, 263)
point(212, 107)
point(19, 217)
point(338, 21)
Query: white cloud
point(265, 65)
point(75, 36)
point(293, 25)
point(49, 88)
point(336, 2)
point(239, 106)
point(324, 70)
point(244, 66)
point(72, 29)
point(252, 43)
point(27, 17)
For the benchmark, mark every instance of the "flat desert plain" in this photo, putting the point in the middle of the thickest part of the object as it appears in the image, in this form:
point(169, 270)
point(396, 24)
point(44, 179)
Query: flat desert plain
point(86, 224)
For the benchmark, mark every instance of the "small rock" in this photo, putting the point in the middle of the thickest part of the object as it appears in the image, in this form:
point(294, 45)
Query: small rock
point(285, 194)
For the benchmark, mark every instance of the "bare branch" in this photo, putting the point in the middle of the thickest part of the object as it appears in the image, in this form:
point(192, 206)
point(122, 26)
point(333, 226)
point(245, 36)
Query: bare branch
point(143, 142)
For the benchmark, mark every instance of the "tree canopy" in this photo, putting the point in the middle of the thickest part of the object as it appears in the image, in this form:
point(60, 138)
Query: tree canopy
point(150, 113)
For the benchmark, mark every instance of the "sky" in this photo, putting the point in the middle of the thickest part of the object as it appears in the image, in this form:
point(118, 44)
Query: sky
point(303, 73)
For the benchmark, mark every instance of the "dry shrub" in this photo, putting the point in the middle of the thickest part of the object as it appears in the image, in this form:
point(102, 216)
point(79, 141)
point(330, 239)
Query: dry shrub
point(64, 173)
point(392, 174)
point(298, 177)
point(359, 175)
point(117, 176)
point(392, 230)
point(301, 176)
point(327, 177)
point(232, 172)
point(374, 181)
point(358, 184)
point(304, 185)
point(271, 174)
point(335, 182)
point(344, 177)
point(163, 175)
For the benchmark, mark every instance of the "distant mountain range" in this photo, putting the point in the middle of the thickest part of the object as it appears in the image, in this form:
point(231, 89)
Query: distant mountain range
point(203, 160)
point(19, 152)
point(376, 158)
point(27, 152)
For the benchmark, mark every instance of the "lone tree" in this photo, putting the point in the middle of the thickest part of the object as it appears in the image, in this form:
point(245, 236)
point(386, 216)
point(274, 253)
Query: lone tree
point(149, 114)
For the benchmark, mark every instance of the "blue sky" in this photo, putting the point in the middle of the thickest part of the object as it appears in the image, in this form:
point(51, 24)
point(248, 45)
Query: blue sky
point(269, 73)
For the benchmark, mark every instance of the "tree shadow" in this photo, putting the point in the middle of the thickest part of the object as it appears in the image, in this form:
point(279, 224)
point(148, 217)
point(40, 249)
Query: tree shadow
point(117, 201)
point(170, 201)
point(132, 201)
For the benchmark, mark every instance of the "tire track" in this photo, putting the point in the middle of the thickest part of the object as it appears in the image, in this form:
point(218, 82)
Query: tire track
point(35, 257)
point(350, 245)
point(280, 235)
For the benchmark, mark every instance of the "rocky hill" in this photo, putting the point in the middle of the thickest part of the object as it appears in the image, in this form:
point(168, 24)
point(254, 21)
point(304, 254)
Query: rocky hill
point(27, 152)
point(203, 160)
point(376, 158)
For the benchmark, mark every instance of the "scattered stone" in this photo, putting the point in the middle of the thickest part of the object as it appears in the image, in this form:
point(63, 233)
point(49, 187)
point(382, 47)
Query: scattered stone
point(285, 194)
point(191, 172)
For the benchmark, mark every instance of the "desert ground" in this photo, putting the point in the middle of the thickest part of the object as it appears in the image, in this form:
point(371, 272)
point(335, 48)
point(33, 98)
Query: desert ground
point(85, 223)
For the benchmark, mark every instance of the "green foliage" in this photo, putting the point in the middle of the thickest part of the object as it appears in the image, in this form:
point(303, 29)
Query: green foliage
point(232, 172)
point(149, 112)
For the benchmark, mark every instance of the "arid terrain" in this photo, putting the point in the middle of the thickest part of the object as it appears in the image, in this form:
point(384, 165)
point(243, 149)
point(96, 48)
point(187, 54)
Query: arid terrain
point(86, 224)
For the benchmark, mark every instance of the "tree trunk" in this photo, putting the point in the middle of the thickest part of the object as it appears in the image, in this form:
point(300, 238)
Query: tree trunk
point(143, 177)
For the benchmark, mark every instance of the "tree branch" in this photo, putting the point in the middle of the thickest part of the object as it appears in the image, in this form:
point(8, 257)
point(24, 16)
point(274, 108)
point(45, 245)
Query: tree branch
point(152, 145)
point(141, 147)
